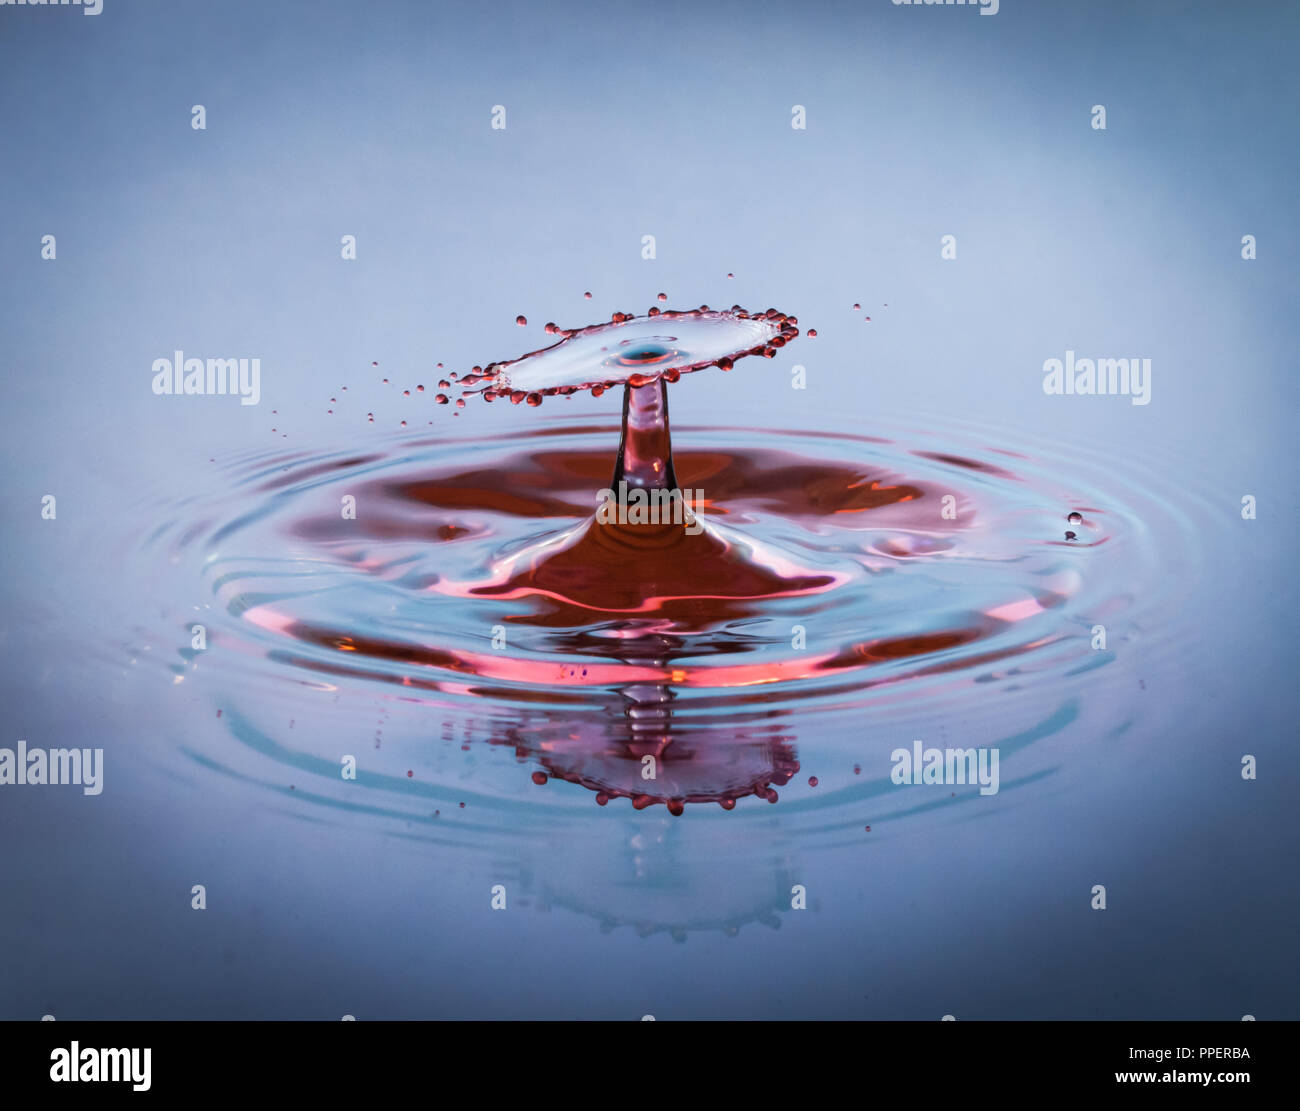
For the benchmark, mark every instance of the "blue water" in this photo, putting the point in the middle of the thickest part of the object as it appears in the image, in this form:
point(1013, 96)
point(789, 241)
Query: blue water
point(373, 897)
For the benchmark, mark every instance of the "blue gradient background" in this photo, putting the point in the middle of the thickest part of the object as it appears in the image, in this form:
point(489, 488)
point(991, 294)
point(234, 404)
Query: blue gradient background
point(327, 119)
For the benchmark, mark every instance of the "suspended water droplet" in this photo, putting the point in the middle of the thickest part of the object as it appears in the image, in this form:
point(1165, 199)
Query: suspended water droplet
point(521, 320)
point(1075, 518)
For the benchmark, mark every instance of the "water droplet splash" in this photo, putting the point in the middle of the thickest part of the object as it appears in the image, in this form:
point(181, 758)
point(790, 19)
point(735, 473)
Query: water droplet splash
point(635, 351)
point(622, 637)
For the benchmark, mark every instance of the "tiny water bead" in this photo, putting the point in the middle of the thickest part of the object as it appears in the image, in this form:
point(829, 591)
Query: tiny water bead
point(521, 320)
point(1075, 518)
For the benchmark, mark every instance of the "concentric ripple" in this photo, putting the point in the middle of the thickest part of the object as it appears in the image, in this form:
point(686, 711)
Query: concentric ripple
point(899, 577)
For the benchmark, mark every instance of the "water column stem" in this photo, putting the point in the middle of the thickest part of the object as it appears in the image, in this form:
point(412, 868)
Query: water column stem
point(645, 454)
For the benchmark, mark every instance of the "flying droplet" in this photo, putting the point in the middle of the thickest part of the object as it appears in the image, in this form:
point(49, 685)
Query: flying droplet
point(587, 295)
point(663, 297)
point(812, 333)
point(856, 307)
point(812, 781)
point(1075, 518)
point(539, 778)
point(521, 320)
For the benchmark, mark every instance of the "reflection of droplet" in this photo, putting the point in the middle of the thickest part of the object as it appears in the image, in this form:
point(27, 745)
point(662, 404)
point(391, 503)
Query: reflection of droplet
point(1070, 535)
point(1075, 518)
point(521, 320)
